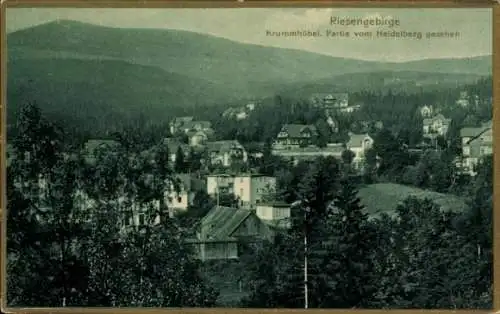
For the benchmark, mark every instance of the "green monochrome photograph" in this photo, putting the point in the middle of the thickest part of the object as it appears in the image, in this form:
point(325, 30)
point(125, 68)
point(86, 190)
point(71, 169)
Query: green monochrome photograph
point(249, 158)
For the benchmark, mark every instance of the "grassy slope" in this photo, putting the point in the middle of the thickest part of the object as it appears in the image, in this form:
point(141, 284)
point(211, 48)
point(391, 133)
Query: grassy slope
point(385, 197)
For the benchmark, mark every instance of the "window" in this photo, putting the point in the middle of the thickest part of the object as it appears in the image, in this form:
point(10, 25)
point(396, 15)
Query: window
point(127, 219)
point(241, 192)
point(142, 220)
point(179, 199)
point(466, 150)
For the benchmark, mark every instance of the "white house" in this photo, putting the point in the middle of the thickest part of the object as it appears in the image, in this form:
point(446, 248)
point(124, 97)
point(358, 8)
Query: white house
point(358, 144)
point(224, 153)
point(426, 111)
point(436, 126)
point(252, 189)
point(179, 200)
point(220, 183)
point(274, 214)
point(477, 142)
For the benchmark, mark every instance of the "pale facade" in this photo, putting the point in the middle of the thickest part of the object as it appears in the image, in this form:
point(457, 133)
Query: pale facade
point(277, 215)
point(220, 183)
point(252, 189)
point(476, 143)
point(359, 144)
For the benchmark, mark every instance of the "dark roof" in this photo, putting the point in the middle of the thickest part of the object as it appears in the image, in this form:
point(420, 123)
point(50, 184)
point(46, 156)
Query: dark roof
point(92, 145)
point(181, 120)
point(277, 204)
point(331, 96)
point(295, 130)
point(185, 180)
point(173, 145)
point(332, 149)
point(221, 222)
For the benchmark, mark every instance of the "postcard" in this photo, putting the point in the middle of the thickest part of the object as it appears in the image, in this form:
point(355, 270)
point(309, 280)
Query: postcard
point(249, 158)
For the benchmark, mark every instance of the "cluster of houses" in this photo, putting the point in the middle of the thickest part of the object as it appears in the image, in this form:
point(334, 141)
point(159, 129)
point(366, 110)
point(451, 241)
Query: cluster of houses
point(256, 215)
point(295, 142)
point(333, 102)
point(476, 140)
point(239, 113)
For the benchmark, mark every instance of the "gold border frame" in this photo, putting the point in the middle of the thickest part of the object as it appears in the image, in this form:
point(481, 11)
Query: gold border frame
point(494, 4)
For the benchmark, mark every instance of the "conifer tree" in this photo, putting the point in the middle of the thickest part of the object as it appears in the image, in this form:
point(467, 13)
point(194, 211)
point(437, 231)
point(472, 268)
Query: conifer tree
point(348, 264)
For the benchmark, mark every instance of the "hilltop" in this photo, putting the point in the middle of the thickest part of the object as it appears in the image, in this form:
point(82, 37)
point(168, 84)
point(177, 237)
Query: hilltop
point(100, 72)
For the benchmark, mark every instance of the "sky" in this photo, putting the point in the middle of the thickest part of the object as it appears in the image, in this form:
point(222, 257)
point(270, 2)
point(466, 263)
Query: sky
point(249, 25)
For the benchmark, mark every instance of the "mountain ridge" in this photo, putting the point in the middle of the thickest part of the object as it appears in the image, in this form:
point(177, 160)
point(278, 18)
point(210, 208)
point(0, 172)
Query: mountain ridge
point(69, 23)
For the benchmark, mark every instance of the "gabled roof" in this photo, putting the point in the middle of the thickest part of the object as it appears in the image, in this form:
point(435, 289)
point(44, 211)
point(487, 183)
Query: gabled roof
point(223, 146)
point(355, 140)
point(478, 138)
point(181, 120)
point(185, 180)
point(92, 145)
point(220, 222)
point(173, 145)
point(470, 132)
point(208, 132)
point(295, 130)
point(331, 96)
point(475, 131)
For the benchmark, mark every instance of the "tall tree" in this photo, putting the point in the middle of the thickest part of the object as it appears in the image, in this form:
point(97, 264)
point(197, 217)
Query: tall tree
point(348, 263)
point(180, 164)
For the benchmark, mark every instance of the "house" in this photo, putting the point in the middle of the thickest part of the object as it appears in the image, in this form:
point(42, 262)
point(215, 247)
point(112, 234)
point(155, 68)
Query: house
point(236, 113)
point(196, 126)
point(277, 214)
point(379, 125)
point(252, 189)
point(224, 153)
point(220, 183)
point(330, 100)
point(250, 106)
point(199, 138)
point(465, 99)
point(296, 135)
point(332, 123)
point(297, 154)
point(179, 196)
point(173, 145)
point(358, 144)
point(426, 111)
point(224, 229)
point(177, 123)
point(476, 143)
point(436, 126)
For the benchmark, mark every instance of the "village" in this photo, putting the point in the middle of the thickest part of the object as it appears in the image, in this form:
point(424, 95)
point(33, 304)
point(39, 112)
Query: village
point(257, 212)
